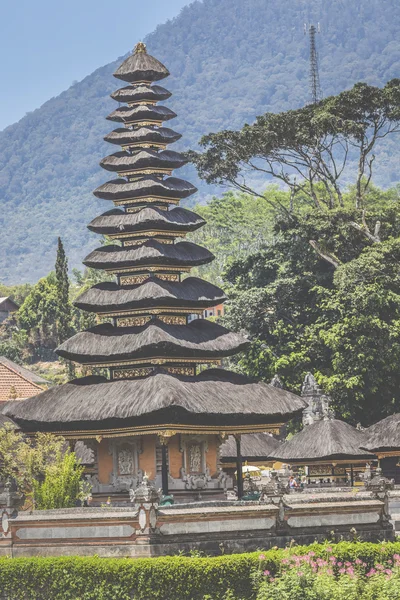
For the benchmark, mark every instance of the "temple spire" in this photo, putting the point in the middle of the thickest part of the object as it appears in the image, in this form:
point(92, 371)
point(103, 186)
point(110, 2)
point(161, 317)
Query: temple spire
point(140, 48)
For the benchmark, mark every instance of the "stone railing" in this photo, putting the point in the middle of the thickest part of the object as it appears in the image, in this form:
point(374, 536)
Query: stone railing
point(148, 529)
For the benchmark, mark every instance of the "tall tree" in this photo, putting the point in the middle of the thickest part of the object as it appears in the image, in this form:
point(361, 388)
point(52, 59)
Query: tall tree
point(304, 147)
point(64, 308)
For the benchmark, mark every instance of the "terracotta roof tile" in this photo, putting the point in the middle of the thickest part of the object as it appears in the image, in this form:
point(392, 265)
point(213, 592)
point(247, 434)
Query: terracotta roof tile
point(10, 379)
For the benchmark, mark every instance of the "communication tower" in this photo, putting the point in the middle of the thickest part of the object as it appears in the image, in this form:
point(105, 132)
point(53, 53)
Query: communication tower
point(315, 87)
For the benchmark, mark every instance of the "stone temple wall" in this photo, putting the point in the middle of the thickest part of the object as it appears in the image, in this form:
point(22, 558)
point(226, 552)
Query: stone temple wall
point(146, 529)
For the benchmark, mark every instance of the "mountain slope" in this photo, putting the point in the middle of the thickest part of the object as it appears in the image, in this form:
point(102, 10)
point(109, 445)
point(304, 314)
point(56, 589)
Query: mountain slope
point(230, 60)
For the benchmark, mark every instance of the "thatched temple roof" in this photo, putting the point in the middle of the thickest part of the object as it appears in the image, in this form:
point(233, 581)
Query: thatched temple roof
point(215, 397)
point(141, 113)
point(138, 397)
point(140, 66)
point(324, 440)
point(384, 435)
point(253, 446)
point(151, 217)
point(149, 253)
point(141, 93)
point(143, 135)
point(192, 292)
point(143, 159)
point(105, 343)
point(149, 185)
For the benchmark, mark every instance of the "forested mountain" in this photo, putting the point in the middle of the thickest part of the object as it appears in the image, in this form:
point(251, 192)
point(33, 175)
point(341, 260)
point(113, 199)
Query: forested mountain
point(230, 61)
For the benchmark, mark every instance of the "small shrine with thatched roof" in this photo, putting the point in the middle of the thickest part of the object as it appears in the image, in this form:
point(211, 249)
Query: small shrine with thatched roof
point(330, 449)
point(383, 439)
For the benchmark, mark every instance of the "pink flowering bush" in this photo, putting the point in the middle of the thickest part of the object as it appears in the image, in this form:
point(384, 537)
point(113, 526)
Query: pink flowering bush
point(309, 577)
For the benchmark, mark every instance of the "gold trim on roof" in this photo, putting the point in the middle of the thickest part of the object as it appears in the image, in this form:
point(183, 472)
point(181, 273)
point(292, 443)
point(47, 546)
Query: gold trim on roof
point(146, 234)
point(143, 123)
point(153, 311)
point(154, 361)
point(148, 269)
point(157, 429)
point(144, 145)
point(139, 102)
point(138, 279)
point(148, 171)
point(146, 200)
point(139, 241)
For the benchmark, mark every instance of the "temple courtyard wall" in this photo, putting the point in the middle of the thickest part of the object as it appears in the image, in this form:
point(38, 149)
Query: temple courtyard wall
point(212, 527)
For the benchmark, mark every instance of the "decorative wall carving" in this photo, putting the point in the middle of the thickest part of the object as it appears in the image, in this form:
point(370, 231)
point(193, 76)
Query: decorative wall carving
point(133, 321)
point(195, 458)
point(132, 373)
point(188, 371)
point(168, 276)
point(173, 319)
point(133, 279)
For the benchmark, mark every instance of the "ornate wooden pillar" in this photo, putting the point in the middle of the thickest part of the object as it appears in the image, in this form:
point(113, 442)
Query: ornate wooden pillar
point(163, 438)
point(239, 465)
point(351, 475)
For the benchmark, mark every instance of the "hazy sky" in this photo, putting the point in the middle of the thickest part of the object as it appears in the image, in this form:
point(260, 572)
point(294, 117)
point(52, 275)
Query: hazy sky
point(47, 44)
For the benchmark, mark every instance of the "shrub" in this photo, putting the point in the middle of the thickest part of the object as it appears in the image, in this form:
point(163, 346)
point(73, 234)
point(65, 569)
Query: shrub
point(277, 574)
point(62, 484)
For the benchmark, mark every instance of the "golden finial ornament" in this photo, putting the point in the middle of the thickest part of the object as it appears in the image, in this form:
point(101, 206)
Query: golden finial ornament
point(140, 48)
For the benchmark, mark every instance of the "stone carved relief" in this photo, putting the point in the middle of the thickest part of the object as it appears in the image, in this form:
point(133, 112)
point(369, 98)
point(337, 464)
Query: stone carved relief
point(125, 461)
point(195, 458)
point(126, 473)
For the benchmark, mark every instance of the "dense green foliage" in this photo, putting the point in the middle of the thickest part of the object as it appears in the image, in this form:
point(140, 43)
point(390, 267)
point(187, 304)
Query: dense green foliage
point(252, 576)
point(230, 61)
point(235, 227)
point(339, 320)
point(61, 485)
point(44, 468)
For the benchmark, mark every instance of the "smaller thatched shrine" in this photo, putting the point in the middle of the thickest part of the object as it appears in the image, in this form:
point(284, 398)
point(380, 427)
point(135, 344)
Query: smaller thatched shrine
point(383, 439)
point(256, 449)
point(329, 449)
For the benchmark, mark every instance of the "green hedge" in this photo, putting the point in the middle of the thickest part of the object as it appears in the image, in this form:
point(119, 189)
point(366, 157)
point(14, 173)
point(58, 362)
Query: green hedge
point(228, 577)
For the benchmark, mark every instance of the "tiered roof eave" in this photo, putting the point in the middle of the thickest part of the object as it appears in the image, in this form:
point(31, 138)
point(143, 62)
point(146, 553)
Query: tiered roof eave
point(149, 346)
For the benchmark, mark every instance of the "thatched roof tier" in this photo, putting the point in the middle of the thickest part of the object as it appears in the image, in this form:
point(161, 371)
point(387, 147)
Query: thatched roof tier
point(384, 435)
point(328, 440)
point(141, 93)
point(214, 397)
point(150, 253)
point(143, 159)
point(254, 446)
point(143, 135)
point(5, 420)
point(144, 187)
point(117, 221)
point(108, 344)
point(140, 66)
point(142, 113)
point(109, 297)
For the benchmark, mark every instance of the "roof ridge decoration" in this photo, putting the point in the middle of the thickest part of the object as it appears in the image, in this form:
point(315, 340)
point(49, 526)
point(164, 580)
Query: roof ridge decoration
point(147, 317)
point(140, 48)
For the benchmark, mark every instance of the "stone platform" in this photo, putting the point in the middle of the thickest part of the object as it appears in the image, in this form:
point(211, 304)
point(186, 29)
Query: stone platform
point(213, 527)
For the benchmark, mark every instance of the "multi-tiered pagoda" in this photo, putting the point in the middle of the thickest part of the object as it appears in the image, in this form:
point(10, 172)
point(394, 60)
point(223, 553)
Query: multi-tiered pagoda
point(155, 412)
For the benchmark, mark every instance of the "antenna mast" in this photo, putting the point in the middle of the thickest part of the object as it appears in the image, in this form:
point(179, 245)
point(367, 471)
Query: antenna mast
point(315, 87)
